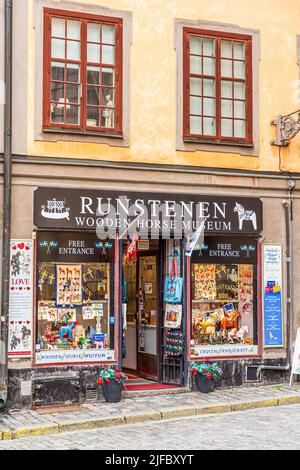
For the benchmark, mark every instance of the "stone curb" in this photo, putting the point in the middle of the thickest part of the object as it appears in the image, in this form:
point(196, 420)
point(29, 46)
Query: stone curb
point(139, 417)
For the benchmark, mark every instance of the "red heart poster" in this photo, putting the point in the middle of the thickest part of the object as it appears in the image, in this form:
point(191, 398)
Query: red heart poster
point(21, 298)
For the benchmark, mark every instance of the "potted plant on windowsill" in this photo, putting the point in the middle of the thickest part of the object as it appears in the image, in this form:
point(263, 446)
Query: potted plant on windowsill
point(206, 375)
point(112, 381)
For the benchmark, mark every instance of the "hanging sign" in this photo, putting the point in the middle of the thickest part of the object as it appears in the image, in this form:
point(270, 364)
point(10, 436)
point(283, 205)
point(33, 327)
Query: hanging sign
point(20, 298)
point(296, 361)
point(272, 296)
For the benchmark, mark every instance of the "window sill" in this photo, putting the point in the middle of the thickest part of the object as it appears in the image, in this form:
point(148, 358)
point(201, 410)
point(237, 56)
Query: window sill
point(56, 130)
point(195, 140)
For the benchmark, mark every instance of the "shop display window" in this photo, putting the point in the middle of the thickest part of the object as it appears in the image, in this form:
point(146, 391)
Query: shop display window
point(223, 309)
point(75, 298)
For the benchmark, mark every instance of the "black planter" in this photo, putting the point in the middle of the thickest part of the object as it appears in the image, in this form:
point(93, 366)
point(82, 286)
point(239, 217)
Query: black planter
point(112, 391)
point(203, 384)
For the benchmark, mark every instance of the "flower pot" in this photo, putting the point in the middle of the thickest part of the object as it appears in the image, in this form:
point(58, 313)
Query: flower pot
point(203, 384)
point(112, 391)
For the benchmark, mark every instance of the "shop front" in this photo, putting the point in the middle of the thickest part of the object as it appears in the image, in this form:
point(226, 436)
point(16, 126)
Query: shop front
point(224, 286)
point(103, 261)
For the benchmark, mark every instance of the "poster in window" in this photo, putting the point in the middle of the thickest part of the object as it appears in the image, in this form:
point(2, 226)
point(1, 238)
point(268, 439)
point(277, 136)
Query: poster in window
point(20, 298)
point(68, 285)
point(272, 295)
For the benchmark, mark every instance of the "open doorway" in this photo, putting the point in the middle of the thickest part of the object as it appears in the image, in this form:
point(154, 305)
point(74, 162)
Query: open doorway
point(141, 297)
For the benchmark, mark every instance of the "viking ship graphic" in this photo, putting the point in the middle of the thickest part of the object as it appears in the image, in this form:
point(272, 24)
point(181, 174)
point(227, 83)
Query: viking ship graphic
point(56, 210)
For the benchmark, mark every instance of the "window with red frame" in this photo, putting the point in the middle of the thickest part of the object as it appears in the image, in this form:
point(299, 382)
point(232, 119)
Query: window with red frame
point(217, 81)
point(82, 72)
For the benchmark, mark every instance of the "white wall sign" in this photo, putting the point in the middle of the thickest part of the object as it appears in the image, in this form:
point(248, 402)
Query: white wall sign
point(56, 356)
point(296, 361)
point(20, 298)
point(226, 350)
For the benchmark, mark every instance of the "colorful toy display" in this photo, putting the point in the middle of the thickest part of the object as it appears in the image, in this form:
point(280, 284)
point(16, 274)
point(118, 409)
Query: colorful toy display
point(222, 301)
point(68, 317)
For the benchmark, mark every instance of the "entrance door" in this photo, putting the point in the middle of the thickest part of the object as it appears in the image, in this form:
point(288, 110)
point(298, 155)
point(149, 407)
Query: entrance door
point(147, 318)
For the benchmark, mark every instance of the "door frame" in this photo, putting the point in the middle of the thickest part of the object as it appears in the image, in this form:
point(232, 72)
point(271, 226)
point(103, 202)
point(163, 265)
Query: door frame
point(143, 254)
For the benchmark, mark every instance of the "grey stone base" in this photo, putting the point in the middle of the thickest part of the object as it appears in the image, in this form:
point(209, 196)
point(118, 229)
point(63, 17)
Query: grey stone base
point(34, 387)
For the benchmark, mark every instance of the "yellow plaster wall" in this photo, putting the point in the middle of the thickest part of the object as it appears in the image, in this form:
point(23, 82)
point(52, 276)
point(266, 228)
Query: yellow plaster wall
point(153, 82)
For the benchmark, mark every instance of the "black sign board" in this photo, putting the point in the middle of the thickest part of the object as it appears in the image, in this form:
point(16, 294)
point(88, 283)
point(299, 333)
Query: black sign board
point(87, 210)
point(62, 247)
point(235, 250)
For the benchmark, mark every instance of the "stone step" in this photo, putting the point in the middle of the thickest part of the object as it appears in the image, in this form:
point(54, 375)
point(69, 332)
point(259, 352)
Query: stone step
point(151, 393)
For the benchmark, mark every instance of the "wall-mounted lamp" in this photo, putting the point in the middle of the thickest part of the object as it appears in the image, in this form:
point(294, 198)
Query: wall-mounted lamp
point(287, 127)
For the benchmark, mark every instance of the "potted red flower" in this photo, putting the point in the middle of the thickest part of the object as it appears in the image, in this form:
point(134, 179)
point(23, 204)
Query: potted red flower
point(206, 375)
point(112, 381)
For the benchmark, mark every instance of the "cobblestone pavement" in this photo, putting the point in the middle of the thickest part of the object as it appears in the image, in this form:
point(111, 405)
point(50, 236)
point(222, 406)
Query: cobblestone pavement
point(267, 428)
point(21, 424)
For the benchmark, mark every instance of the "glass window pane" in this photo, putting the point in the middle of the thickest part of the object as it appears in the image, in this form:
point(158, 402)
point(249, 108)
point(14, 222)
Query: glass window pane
point(239, 69)
point(93, 32)
point(73, 93)
point(108, 34)
point(239, 50)
point(195, 45)
point(93, 53)
point(226, 127)
point(226, 108)
point(209, 126)
point(195, 65)
point(208, 66)
point(58, 48)
point(57, 71)
point(239, 90)
point(226, 89)
point(58, 27)
point(209, 47)
point(108, 97)
point(73, 73)
point(108, 118)
point(57, 113)
point(92, 117)
point(57, 92)
point(240, 129)
point(73, 29)
point(195, 125)
point(209, 107)
point(108, 55)
point(73, 50)
point(93, 95)
point(195, 105)
point(73, 114)
point(195, 86)
point(226, 68)
point(209, 87)
point(239, 109)
point(226, 49)
point(108, 76)
point(93, 75)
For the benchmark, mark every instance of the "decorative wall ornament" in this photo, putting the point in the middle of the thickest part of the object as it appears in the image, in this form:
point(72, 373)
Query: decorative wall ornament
point(287, 127)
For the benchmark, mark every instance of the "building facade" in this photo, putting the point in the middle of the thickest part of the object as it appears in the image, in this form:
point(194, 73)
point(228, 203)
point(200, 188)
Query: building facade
point(156, 111)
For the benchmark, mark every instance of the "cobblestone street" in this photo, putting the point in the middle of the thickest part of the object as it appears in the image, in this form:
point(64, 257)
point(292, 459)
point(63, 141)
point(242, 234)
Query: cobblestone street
point(268, 428)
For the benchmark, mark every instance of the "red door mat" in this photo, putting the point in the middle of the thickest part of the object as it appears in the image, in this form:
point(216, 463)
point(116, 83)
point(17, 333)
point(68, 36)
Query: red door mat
point(146, 386)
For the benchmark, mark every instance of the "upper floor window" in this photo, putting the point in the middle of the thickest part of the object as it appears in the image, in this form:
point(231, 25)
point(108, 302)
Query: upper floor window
point(82, 72)
point(217, 80)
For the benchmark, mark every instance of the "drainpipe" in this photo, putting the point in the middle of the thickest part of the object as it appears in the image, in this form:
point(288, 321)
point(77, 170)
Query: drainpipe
point(6, 204)
point(288, 213)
